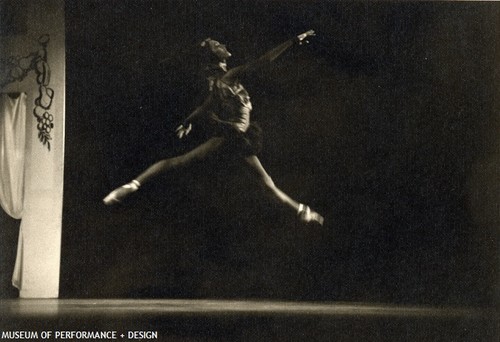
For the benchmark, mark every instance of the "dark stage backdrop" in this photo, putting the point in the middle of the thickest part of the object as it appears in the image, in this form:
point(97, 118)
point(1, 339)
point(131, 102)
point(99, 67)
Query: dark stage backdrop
point(385, 123)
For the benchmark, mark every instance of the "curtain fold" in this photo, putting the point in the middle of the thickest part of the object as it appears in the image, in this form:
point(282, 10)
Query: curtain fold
point(12, 152)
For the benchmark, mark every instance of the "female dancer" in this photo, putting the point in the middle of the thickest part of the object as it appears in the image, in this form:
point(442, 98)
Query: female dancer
point(228, 108)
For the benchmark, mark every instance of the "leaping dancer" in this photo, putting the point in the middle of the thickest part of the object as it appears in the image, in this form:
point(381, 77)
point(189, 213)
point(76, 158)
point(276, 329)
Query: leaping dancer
point(227, 108)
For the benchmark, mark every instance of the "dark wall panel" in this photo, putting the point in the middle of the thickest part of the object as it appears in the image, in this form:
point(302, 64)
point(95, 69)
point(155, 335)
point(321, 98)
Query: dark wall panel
point(381, 123)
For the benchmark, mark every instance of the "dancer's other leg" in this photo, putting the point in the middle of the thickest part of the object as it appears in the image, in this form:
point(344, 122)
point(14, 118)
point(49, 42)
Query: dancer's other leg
point(199, 153)
point(304, 213)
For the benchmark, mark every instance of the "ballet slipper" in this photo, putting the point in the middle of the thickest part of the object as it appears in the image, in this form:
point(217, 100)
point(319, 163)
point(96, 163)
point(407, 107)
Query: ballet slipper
point(117, 195)
point(307, 215)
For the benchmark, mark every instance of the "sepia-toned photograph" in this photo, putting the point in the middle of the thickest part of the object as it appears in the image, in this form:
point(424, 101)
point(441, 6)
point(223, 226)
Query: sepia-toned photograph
point(280, 170)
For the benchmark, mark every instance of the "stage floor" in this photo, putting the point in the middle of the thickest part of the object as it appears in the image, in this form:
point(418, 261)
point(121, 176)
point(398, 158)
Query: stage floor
point(247, 320)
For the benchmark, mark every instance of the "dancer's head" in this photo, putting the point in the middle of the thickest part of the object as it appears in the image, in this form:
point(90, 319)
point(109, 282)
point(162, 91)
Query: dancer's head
point(216, 51)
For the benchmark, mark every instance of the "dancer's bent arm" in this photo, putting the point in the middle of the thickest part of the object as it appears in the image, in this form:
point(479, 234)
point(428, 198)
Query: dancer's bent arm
point(185, 128)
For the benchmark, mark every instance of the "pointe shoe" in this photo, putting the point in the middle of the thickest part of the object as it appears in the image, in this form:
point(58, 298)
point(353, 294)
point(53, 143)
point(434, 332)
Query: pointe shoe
point(307, 215)
point(117, 195)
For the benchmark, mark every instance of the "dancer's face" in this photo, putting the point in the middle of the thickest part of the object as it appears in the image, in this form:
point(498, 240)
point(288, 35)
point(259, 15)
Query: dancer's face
point(218, 49)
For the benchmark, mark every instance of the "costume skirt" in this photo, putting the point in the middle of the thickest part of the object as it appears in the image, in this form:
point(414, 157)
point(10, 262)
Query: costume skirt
point(242, 143)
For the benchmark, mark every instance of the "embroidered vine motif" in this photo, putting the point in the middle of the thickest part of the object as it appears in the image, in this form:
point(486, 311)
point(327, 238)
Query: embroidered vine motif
point(16, 68)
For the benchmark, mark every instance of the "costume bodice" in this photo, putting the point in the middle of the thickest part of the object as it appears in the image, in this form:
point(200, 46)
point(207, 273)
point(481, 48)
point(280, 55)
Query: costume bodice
point(234, 103)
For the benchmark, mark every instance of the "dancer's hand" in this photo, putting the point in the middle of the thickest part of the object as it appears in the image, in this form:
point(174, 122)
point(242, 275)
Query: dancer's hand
point(182, 131)
point(302, 37)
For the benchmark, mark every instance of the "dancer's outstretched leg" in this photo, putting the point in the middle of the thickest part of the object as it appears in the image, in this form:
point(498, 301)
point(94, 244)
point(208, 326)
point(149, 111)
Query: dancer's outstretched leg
point(304, 213)
point(199, 153)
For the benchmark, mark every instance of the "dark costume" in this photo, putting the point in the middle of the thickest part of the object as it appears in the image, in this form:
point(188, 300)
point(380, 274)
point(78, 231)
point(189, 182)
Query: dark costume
point(228, 105)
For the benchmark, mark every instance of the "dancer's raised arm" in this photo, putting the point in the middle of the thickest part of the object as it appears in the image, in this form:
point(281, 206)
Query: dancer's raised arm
point(268, 57)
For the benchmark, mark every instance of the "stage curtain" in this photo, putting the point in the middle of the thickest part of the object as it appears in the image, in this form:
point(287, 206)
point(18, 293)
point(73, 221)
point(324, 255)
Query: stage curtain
point(12, 151)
